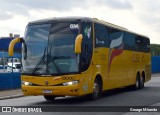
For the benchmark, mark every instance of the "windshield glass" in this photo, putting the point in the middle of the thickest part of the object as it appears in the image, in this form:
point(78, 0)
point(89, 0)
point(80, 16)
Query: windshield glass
point(50, 49)
point(36, 39)
point(61, 56)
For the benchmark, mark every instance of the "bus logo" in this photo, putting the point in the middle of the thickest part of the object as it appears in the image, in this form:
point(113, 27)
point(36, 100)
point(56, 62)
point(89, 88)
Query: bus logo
point(46, 83)
point(74, 26)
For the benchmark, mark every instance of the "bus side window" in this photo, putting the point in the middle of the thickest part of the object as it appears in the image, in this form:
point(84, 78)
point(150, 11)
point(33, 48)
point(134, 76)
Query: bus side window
point(87, 46)
point(116, 38)
point(147, 45)
point(101, 36)
point(140, 44)
point(129, 41)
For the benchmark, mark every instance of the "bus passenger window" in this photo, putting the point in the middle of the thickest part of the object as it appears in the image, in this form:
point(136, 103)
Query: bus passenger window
point(101, 36)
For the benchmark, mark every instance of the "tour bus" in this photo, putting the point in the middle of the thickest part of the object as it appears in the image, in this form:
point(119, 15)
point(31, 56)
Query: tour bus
point(75, 56)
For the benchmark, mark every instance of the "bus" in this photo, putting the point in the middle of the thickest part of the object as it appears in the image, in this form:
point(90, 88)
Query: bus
point(76, 56)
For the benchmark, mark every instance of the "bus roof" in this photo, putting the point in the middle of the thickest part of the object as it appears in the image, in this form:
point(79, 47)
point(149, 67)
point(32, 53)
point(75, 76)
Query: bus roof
point(109, 24)
point(116, 27)
point(69, 19)
point(61, 19)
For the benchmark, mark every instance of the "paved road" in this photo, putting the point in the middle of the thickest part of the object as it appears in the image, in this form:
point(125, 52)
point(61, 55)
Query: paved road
point(148, 96)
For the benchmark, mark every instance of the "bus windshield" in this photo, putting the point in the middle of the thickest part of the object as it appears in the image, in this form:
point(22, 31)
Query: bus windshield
point(50, 49)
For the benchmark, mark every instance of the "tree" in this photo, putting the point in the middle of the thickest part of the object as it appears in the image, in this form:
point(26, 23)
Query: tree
point(155, 49)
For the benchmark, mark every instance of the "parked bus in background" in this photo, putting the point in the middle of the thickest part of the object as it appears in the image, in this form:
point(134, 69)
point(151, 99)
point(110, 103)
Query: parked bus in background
point(81, 56)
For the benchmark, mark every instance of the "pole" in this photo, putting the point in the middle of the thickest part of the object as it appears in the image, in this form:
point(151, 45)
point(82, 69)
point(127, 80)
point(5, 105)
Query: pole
point(12, 64)
point(4, 61)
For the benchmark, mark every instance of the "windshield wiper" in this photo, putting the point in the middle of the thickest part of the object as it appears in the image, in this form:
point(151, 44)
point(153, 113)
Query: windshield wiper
point(40, 61)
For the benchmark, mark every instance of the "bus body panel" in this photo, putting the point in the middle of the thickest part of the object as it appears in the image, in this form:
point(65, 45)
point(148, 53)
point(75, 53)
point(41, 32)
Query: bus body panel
point(117, 67)
point(122, 72)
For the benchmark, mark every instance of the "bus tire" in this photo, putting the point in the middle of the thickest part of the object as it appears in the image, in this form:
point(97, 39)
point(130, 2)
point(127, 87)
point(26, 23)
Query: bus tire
point(97, 90)
point(141, 82)
point(49, 97)
point(137, 85)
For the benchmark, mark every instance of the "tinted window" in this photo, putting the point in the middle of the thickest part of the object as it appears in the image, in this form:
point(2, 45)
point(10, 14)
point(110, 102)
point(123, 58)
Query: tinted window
point(36, 39)
point(87, 45)
point(142, 44)
point(101, 36)
point(61, 56)
point(116, 38)
point(136, 43)
point(147, 44)
point(129, 41)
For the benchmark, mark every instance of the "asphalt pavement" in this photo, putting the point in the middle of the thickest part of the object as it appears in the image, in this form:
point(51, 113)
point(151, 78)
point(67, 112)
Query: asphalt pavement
point(149, 96)
point(8, 94)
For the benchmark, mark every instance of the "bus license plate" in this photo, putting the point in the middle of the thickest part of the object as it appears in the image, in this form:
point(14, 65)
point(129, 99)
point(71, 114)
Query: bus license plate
point(47, 91)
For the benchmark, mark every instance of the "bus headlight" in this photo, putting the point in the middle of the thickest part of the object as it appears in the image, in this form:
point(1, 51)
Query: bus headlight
point(71, 83)
point(26, 83)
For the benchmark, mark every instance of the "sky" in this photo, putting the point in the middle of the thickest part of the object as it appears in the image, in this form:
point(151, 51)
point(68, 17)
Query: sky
point(140, 16)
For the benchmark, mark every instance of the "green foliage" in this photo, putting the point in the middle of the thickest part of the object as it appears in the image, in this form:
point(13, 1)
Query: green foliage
point(155, 49)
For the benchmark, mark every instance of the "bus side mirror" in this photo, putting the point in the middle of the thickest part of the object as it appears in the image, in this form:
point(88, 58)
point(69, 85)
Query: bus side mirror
point(13, 43)
point(78, 44)
point(11, 46)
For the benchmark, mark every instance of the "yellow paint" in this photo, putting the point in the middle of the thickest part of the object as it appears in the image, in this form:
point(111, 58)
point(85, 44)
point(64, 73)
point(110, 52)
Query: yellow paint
point(11, 46)
point(78, 44)
point(122, 73)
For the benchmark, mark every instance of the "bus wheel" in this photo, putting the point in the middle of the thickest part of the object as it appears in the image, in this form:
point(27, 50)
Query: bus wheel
point(138, 85)
point(97, 90)
point(141, 83)
point(49, 97)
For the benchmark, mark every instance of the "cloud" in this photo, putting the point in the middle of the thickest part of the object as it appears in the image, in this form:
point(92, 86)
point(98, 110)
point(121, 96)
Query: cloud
point(4, 13)
point(141, 16)
point(8, 9)
point(5, 16)
point(148, 13)
point(58, 5)
point(24, 6)
point(117, 4)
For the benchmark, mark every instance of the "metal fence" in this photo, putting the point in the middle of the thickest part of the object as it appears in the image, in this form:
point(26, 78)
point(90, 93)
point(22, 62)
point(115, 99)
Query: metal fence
point(155, 64)
point(10, 80)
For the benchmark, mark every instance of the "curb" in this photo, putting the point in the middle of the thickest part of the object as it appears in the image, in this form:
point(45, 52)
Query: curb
point(156, 75)
point(11, 97)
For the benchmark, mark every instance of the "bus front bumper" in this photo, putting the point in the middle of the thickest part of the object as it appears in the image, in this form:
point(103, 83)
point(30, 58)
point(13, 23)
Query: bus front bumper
point(51, 90)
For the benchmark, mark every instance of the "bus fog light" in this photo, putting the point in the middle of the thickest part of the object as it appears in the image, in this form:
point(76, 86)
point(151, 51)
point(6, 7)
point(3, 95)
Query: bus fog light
point(71, 83)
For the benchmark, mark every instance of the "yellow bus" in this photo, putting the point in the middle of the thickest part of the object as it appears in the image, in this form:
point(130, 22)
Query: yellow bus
point(76, 56)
